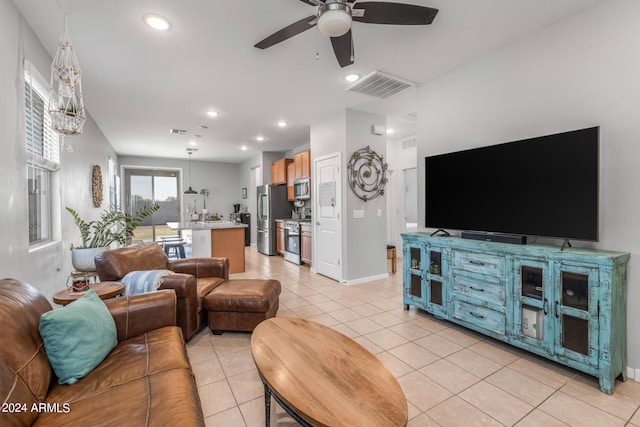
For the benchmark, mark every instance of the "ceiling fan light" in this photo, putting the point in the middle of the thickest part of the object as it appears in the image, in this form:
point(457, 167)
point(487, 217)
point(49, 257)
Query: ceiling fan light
point(335, 19)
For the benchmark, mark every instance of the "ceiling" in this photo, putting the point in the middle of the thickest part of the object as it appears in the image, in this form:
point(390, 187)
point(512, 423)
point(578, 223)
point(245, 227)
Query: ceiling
point(138, 83)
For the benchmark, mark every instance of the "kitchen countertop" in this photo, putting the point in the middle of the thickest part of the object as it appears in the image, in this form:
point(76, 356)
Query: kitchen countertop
point(204, 225)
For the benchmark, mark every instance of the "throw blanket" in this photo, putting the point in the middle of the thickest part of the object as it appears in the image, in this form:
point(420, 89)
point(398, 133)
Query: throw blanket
point(140, 282)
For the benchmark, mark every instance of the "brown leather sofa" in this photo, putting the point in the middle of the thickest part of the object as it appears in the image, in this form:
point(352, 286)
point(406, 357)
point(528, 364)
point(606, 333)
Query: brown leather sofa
point(194, 278)
point(146, 380)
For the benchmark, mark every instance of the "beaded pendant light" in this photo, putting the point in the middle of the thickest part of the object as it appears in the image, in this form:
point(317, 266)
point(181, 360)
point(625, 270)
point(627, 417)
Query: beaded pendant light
point(66, 105)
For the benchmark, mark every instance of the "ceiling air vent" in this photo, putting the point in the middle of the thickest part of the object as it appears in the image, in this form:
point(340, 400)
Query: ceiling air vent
point(380, 85)
point(408, 142)
point(178, 131)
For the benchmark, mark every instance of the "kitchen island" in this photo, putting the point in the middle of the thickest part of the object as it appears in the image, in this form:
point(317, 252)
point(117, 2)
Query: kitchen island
point(217, 239)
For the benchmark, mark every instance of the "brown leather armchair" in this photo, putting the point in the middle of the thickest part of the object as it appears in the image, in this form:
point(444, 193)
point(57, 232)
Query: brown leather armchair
point(194, 278)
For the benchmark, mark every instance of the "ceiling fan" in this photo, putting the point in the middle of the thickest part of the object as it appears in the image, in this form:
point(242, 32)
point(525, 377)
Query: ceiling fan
point(334, 18)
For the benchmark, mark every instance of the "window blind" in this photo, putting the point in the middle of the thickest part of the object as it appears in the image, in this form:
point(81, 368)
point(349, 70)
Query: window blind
point(42, 142)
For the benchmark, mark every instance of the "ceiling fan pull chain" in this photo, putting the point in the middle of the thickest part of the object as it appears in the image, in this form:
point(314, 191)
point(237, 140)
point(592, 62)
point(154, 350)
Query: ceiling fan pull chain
point(352, 56)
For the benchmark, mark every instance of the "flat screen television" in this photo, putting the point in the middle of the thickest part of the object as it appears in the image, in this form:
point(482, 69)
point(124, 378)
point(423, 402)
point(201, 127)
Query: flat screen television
point(545, 186)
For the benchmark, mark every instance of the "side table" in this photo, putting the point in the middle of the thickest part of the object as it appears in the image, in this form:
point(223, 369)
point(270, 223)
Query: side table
point(103, 289)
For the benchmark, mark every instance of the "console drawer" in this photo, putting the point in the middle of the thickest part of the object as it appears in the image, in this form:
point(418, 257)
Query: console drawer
point(479, 263)
point(483, 290)
point(479, 316)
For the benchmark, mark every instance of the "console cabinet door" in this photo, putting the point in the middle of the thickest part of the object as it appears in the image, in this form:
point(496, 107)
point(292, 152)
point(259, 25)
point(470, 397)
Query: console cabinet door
point(575, 313)
point(413, 260)
point(533, 294)
point(435, 286)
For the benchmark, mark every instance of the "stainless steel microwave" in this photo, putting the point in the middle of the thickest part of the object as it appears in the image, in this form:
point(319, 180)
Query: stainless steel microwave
point(302, 189)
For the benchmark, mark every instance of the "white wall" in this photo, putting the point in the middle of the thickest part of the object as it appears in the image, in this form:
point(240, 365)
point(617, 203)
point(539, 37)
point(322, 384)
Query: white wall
point(363, 251)
point(221, 179)
point(399, 160)
point(47, 268)
point(580, 72)
point(366, 238)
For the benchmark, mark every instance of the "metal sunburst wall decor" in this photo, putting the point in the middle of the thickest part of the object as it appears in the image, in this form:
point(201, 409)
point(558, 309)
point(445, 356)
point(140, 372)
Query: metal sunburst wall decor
point(367, 174)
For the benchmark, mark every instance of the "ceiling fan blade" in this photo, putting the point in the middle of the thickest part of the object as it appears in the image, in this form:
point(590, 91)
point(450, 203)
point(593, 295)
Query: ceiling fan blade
point(313, 2)
point(343, 48)
point(288, 32)
point(393, 13)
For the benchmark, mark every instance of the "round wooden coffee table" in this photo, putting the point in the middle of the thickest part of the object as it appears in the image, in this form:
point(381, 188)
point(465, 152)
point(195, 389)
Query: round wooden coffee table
point(103, 289)
point(323, 378)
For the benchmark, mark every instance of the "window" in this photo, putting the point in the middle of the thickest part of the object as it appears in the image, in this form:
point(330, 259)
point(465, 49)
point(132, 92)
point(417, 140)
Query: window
point(43, 155)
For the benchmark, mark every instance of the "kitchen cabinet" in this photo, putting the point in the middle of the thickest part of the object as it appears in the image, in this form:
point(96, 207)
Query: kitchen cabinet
point(279, 171)
point(305, 243)
point(227, 242)
point(290, 177)
point(568, 305)
point(302, 163)
point(279, 237)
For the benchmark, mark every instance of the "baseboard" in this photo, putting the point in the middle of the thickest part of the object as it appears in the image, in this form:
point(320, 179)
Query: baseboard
point(633, 374)
point(364, 279)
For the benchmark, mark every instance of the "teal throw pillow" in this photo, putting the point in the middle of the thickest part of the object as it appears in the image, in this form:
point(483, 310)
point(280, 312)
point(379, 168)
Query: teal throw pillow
point(78, 337)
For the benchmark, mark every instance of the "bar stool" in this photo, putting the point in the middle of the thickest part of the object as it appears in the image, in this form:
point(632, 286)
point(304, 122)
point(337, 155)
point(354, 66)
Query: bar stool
point(174, 248)
point(391, 254)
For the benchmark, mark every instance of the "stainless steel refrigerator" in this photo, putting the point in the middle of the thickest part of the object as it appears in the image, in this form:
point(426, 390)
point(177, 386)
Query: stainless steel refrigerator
point(272, 205)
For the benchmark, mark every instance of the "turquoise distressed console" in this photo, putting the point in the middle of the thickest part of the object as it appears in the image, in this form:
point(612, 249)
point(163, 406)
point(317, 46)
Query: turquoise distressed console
point(566, 305)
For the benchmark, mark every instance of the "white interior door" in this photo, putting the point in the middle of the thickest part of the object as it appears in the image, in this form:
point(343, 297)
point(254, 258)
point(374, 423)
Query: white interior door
point(328, 236)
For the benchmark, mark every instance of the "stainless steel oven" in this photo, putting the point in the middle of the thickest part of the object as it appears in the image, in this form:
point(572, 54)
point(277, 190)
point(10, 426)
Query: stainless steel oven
point(292, 241)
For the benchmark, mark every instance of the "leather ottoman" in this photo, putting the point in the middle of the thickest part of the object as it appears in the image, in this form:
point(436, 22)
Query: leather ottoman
point(240, 305)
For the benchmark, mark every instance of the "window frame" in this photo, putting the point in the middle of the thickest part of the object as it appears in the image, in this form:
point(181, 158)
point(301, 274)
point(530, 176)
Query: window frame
point(42, 159)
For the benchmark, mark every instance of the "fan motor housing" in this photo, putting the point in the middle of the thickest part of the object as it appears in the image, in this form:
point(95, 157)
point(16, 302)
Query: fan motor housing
point(334, 19)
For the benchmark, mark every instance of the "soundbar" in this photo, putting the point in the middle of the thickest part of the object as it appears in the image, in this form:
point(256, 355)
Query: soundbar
point(495, 237)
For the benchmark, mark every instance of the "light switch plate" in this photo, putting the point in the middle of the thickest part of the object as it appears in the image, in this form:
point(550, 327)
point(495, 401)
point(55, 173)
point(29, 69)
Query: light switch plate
point(358, 213)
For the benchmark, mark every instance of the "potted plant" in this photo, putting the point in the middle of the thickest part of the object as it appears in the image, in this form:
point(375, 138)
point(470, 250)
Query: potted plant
point(214, 217)
point(97, 236)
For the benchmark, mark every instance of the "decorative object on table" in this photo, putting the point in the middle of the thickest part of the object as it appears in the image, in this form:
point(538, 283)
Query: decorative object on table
point(190, 190)
point(96, 186)
point(367, 174)
point(81, 281)
point(244, 192)
point(65, 101)
point(205, 193)
point(97, 236)
point(213, 217)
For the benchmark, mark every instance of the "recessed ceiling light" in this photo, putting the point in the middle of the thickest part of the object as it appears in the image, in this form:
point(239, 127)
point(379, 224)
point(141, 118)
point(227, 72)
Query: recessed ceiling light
point(193, 143)
point(352, 77)
point(157, 22)
point(282, 124)
point(212, 113)
point(260, 138)
point(390, 131)
point(243, 148)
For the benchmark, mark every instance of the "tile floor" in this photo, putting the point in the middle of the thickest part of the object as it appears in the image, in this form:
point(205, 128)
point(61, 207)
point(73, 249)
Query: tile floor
point(450, 376)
